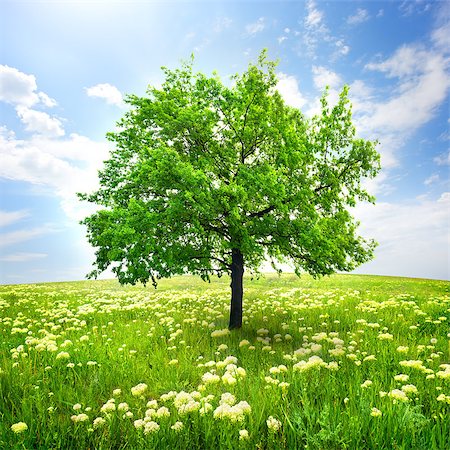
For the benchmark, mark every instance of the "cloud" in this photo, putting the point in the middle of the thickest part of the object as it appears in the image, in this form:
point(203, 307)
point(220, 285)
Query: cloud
point(323, 77)
point(18, 236)
point(10, 217)
point(39, 122)
point(221, 24)
point(441, 37)
point(18, 88)
point(361, 15)
point(410, 7)
point(202, 45)
point(314, 27)
point(106, 91)
point(46, 100)
point(419, 87)
point(443, 160)
point(314, 17)
point(423, 87)
point(256, 27)
point(431, 179)
point(342, 49)
point(413, 236)
point(63, 166)
point(287, 86)
point(23, 257)
point(406, 61)
point(316, 31)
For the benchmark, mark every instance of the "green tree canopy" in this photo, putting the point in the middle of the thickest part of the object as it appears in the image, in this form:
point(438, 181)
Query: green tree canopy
point(208, 178)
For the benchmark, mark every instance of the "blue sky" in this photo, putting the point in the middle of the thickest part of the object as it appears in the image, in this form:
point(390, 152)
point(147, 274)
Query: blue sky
point(66, 65)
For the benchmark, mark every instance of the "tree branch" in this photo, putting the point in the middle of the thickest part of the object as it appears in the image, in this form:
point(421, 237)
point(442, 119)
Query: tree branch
point(261, 213)
point(236, 133)
point(214, 258)
point(347, 167)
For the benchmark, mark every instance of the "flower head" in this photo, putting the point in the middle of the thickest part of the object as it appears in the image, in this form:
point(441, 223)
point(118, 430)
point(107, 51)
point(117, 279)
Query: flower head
point(376, 412)
point(243, 435)
point(19, 427)
point(177, 426)
point(99, 422)
point(139, 389)
point(151, 427)
point(273, 424)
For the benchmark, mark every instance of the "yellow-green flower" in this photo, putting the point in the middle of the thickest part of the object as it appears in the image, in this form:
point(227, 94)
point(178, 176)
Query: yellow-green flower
point(19, 427)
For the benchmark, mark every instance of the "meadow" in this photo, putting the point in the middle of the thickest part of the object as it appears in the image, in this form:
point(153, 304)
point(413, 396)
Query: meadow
point(344, 362)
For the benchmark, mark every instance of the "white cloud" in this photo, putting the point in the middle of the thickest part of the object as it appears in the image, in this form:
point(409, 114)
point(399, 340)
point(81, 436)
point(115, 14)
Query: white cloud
point(18, 236)
point(256, 27)
point(420, 86)
point(406, 61)
point(361, 15)
point(431, 179)
point(46, 100)
point(314, 27)
point(287, 86)
point(361, 89)
point(315, 32)
point(18, 88)
point(281, 39)
point(314, 17)
point(323, 77)
point(441, 37)
point(423, 87)
point(410, 7)
point(342, 48)
point(221, 24)
point(39, 122)
point(10, 217)
point(23, 257)
point(413, 237)
point(106, 91)
point(63, 166)
point(202, 45)
point(443, 160)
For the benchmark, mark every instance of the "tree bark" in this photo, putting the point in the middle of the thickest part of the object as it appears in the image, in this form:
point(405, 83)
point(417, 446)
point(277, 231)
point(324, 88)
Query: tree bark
point(237, 288)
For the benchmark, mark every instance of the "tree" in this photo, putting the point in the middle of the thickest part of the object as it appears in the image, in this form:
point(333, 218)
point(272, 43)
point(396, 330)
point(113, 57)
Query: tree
point(208, 179)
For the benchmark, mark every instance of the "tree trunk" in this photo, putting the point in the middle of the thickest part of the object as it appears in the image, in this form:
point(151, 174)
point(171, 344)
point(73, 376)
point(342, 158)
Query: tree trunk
point(237, 289)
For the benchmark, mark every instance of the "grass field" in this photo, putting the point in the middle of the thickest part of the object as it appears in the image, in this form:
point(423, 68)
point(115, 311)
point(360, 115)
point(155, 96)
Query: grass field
point(343, 362)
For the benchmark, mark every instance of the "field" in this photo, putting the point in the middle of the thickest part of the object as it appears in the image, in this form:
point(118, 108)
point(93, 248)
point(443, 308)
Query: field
point(354, 362)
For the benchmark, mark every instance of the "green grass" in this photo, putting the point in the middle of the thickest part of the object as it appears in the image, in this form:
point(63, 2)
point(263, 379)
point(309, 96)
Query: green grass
point(72, 344)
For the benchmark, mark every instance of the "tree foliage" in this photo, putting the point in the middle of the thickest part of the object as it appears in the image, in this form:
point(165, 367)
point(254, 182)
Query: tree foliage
point(201, 169)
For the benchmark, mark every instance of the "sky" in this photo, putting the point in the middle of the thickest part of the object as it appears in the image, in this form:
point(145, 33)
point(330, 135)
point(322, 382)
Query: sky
point(66, 67)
